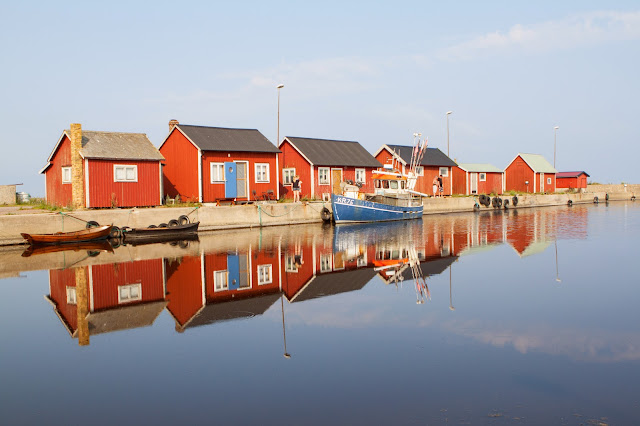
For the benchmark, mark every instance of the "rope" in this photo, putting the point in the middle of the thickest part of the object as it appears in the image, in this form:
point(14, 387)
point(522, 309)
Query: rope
point(72, 217)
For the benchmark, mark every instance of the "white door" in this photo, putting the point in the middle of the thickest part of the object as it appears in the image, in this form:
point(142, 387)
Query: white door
point(541, 182)
point(474, 183)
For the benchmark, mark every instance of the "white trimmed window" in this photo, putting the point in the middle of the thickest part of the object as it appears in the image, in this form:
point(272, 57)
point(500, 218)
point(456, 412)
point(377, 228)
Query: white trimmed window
point(325, 263)
point(482, 177)
point(287, 176)
point(361, 175)
point(129, 293)
point(419, 170)
point(290, 263)
point(71, 295)
point(323, 176)
point(123, 173)
point(262, 172)
point(264, 274)
point(444, 171)
point(217, 172)
point(220, 280)
point(66, 175)
point(361, 260)
point(548, 181)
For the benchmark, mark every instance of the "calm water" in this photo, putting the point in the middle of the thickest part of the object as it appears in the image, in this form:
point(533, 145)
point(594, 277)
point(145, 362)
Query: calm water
point(524, 317)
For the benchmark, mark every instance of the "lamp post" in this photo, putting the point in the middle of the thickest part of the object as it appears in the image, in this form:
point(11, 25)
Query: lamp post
point(448, 113)
point(279, 86)
point(555, 129)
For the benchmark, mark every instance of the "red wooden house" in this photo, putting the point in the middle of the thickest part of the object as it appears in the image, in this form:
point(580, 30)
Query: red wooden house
point(98, 299)
point(472, 178)
point(323, 164)
point(207, 164)
point(572, 180)
point(103, 169)
point(434, 163)
point(530, 173)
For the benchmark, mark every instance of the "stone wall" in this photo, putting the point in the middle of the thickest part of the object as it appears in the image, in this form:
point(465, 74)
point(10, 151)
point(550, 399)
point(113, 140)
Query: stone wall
point(615, 188)
point(7, 194)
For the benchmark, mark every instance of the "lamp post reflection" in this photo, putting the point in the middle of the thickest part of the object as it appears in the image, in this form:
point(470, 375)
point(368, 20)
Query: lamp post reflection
point(450, 292)
point(284, 334)
point(557, 277)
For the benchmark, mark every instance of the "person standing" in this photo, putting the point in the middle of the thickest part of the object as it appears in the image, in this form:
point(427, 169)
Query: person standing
point(296, 188)
point(440, 187)
point(436, 186)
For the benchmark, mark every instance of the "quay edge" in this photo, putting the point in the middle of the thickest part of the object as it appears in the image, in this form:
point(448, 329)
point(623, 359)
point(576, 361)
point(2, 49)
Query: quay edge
point(214, 218)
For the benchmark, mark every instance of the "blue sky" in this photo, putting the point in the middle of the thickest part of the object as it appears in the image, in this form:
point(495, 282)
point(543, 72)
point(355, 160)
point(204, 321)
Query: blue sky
point(375, 72)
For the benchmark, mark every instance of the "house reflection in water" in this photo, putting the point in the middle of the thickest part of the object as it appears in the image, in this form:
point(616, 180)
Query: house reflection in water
point(95, 299)
point(232, 278)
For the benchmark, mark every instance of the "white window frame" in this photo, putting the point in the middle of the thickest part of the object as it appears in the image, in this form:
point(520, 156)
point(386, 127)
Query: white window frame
point(327, 178)
point(326, 263)
point(126, 168)
point(361, 260)
point(217, 275)
point(419, 170)
point(548, 181)
point(221, 167)
point(482, 177)
point(290, 263)
point(129, 298)
point(266, 177)
point(287, 176)
point(364, 175)
point(71, 295)
point(444, 171)
point(70, 175)
point(265, 275)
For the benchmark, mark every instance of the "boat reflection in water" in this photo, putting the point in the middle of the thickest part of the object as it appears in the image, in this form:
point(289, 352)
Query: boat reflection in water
point(228, 276)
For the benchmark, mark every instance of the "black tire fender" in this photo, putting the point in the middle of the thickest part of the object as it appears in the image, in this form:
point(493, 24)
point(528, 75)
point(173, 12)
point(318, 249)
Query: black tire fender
point(595, 200)
point(514, 200)
point(115, 232)
point(151, 226)
point(325, 214)
point(570, 203)
point(92, 224)
point(163, 225)
point(183, 220)
point(173, 223)
point(505, 203)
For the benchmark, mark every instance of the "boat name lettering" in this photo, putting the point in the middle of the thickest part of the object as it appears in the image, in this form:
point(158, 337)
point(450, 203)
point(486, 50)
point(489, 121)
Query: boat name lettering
point(343, 200)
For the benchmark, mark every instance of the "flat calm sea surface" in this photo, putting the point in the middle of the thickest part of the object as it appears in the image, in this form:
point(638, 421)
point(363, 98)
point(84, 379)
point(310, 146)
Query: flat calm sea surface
point(526, 316)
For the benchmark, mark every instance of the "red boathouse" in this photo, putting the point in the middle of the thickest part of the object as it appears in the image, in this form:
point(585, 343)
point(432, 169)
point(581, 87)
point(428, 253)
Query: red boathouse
point(572, 180)
point(530, 173)
point(472, 178)
point(103, 169)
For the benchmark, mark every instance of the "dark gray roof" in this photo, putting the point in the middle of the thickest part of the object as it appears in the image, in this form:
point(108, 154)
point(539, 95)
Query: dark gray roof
point(125, 317)
point(223, 139)
point(117, 146)
point(335, 283)
point(431, 267)
point(571, 174)
point(327, 152)
point(234, 309)
point(432, 156)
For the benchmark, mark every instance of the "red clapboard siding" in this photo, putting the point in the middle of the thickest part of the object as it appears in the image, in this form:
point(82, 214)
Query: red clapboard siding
point(184, 288)
point(180, 172)
point(460, 181)
point(516, 174)
point(104, 192)
point(294, 281)
point(291, 158)
point(59, 194)
point(106, 279)
point(59, 280)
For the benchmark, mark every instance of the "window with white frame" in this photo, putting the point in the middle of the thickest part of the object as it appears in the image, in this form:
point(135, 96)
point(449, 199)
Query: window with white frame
point(419, 170)
point(444, 171)
point(123, 173)
point(323, 176)
point(129, 293)
point(290, 263)
point(287, 176)
point(482, 177)
point(548, 181)
point(264, 274)
point(362, 260)
point(325, 263)
point(361, 176)
point(71, 295)
point(220, 280)
point(66, 175)
point(262, 172)
point(217, 172)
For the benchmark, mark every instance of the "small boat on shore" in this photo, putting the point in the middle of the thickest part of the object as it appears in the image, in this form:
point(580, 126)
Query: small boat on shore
point(159, 234)
point(92, 247)
point(84, 235)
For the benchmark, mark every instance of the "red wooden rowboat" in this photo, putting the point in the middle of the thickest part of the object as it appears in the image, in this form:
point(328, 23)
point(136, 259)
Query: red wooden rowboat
point(91, 234)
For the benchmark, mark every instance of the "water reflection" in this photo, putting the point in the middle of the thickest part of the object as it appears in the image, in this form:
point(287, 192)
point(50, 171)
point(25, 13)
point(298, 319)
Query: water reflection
point(235, 275)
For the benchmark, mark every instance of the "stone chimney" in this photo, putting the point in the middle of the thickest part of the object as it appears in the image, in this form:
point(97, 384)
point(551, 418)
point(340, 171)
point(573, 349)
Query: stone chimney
point(173, 123)
point(77, 172)
point(82, 305)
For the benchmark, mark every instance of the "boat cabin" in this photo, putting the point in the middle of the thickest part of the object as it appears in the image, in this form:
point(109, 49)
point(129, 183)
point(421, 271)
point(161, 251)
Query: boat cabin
point(387, 182)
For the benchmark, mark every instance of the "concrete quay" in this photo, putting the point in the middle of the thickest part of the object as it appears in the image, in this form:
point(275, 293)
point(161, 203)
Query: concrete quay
point(263, 214)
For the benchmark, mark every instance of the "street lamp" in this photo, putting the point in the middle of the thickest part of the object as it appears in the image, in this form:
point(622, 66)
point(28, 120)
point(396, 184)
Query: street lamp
point(448, 113)
point(279, 86)
point(554, 145)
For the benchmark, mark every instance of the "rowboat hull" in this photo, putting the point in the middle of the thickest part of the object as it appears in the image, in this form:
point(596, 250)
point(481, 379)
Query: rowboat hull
point(84, 235)
point(91, 246)
point(172, 233)
point(348, 209)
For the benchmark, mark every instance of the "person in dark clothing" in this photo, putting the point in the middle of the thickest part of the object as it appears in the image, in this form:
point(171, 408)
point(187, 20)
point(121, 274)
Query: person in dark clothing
point(440, 188)
point(296, 188)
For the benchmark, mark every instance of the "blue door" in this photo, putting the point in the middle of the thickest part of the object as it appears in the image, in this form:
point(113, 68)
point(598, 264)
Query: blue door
point(230, 186)
point(233, 268)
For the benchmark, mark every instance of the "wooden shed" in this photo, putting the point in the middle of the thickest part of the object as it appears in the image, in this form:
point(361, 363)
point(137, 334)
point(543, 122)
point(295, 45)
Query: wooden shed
point(103, 169)
point(530, 173)
point(572, 180)
point(207, 164)
point(323, 164)
point(434, 163)
point(477, 178)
